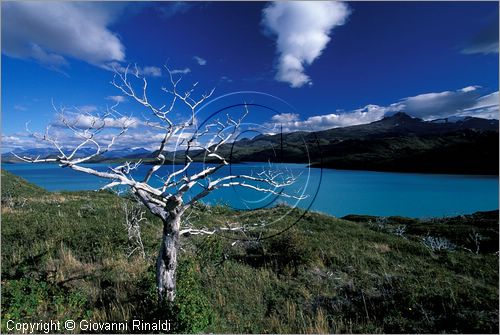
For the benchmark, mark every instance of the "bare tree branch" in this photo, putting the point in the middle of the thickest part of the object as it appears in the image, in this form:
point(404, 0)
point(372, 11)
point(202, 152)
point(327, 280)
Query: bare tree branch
point(100, 133)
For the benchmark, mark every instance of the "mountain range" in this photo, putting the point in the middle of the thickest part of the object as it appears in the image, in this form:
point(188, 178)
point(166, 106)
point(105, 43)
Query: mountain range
point(117, 154)
point(398, 142)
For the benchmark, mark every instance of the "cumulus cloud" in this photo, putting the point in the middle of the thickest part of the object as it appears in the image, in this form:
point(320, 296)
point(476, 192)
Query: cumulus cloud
point(367, 114)
point(285, 117)
point(50, 31)
point(302, 30)
point(85, 121)
point(429, 106)
point(68, 140)
point(20, 141)
point(467, 101)
point(200, 60)
point(139, 137)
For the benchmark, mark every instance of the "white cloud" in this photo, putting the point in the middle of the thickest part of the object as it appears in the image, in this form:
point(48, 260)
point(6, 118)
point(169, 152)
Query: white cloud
point(87, 108)
point(443, 104)
point(84, 121)
point(485, 49)
point(291, 122)
point(285, 117)
point(484, 41)
point(152, 71)
point(144, 139)
point(200, 60)
point(181, 71)
point(303, 30)
point(167, 9)
point(429, 106)
point(51, 59)
point(116, 98)
point(20, 108)
point(12, 142)
point(487, 100)
point(463, 102)
point(134, 138)
point(50, 31)
point(226, 79)
point(485, 107)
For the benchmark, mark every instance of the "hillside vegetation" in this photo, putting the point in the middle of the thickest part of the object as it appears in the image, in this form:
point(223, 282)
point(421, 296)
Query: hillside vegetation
point(65, 256)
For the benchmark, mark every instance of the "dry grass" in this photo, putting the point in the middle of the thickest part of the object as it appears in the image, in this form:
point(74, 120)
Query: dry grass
point(66, 268)
point(352, 280)
point(381, 247)
point(318, 325)
point(7, 209)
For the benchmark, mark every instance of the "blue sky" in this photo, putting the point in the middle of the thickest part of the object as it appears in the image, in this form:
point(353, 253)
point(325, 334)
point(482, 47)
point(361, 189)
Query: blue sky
point(332, 63)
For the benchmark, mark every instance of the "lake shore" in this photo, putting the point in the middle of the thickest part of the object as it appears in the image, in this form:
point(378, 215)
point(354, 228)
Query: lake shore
point(333, 192)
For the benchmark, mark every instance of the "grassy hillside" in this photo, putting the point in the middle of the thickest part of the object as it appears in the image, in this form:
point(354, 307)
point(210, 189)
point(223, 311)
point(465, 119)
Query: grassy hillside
point(65, 256)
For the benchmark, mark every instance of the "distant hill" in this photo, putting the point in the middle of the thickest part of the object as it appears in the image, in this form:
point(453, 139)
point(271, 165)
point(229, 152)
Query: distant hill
point(398, 142)
point(395, 143)
point(128, 153)
point(119, 154)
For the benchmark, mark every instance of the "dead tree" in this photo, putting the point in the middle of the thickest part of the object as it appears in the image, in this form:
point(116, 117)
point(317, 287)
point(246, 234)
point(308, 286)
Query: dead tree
point(134, 216)
point(167, 201)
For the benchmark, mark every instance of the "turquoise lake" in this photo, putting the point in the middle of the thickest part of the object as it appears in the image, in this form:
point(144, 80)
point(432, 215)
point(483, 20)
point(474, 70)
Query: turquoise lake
point(334, 192)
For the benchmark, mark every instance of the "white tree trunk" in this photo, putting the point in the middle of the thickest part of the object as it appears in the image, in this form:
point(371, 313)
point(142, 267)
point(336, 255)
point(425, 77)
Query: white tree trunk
point(166, 263)
point(168, 206)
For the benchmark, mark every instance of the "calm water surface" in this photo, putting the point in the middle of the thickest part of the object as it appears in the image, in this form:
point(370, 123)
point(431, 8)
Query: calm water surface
point(335, 192)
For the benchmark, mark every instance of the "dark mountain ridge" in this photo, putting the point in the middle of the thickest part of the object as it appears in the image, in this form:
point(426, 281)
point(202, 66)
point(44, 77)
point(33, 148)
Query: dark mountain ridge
point(398, 142)
point(394, 143)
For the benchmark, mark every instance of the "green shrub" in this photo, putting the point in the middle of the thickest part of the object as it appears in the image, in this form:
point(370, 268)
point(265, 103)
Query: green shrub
point(28, 299)
point(323, 275)
point(288, 251)
point(192, 307)
point(190, 312)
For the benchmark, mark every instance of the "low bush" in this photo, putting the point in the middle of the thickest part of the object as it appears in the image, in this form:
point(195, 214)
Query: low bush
point(321, 275)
